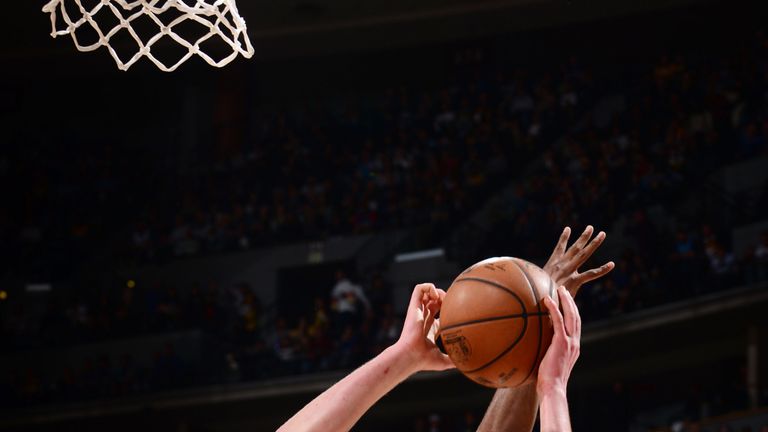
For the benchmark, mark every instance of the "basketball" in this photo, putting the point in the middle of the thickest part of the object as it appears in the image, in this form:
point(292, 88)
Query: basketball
point(493, 324)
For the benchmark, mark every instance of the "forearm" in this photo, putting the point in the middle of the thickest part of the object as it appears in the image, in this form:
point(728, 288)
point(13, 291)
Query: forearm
point(511, 410)
point(554, 411)
point(341, 406)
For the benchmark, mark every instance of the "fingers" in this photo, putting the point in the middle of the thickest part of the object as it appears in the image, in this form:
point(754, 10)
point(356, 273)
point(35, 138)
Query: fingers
point(434, 304)
point(578, 245)
point(562, 242)
point(418, 312)
point(419, 293)
point(570, 313)
point(429, 315)
point(431, 303)
point(557, 254)
point(590, 249)
point(557, 317)
point(421, 326)
point(437, 360)
point(595, 273)
point(581, 251)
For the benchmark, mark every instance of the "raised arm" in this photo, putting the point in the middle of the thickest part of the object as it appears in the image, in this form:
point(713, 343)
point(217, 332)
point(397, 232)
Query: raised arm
point(514, 410)
point(342, 405)
point(557, 364)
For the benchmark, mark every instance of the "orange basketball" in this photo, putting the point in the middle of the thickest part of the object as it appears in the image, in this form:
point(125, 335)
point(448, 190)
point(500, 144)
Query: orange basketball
point(493, 323)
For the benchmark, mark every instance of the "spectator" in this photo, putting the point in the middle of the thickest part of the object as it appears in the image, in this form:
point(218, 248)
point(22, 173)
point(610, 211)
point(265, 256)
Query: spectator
point(722, 263)
point(413, 160)
point(348, 302)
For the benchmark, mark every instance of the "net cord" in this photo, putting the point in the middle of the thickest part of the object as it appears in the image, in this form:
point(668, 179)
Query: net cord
point(219, 16)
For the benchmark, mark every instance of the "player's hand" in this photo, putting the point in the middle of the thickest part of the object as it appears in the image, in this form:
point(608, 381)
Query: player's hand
point(563, 265)
point(556, 366)
point(417, 339)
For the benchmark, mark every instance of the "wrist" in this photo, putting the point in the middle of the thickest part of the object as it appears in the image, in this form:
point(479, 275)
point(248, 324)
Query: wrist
point(408, 358)
point(551, 388)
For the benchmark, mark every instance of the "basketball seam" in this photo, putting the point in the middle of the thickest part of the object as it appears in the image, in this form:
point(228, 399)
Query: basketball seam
point(538, 306)
point(525, 320)
point(491, 319)
point(495, 285)
point(508, 349)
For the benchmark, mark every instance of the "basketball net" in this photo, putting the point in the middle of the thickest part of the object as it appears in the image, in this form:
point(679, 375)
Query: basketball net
point(220, 17)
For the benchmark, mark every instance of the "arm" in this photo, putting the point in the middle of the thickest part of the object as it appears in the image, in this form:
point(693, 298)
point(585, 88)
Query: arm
point(511, 409)
point(341, 406)
point(514, 409)
point(554, 412)
point(556, 366)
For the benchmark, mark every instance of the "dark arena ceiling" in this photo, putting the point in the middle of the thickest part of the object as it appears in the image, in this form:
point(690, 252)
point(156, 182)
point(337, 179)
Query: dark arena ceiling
point(308, 27)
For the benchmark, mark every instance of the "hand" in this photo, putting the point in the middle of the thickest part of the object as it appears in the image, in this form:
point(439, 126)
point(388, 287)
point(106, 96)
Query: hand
point(418, 336)
point(563, 265)
point(556, 366)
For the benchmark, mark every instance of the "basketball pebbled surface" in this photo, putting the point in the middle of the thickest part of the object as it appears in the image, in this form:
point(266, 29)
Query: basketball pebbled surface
point(493, 324)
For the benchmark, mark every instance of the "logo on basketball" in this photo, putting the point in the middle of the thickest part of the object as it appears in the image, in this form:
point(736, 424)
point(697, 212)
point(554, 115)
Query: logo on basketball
point(505, 376)
point(482, 380)
point(495, 266)
point(457, 347)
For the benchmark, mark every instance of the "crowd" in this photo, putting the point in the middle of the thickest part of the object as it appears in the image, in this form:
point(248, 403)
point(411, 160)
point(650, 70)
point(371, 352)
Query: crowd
point(401, 158)
point(243, 340)
point(650, 168)
point(97, 378)
point(398, 159)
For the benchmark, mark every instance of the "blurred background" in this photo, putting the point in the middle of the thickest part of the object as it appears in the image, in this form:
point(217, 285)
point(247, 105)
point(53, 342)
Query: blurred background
point(170, 243)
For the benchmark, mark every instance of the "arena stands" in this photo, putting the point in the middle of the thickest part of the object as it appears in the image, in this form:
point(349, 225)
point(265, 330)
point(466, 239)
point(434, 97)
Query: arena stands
point(636, 149)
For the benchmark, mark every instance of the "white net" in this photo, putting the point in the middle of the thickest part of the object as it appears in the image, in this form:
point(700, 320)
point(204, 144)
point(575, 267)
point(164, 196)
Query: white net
point(214, 19)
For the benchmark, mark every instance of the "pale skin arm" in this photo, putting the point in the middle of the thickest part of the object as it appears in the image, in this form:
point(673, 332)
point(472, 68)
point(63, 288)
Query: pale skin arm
point(341, 406)
point(557, 364)
point(554, 412)
point(514, 410)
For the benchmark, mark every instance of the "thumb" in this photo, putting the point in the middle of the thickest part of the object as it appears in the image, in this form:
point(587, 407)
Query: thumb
point(442, 362)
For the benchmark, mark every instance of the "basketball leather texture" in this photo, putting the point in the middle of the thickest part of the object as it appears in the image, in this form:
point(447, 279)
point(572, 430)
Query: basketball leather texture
point(493, 323)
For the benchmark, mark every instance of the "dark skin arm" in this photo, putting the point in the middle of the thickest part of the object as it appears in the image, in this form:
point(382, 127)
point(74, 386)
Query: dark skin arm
point(515, 409)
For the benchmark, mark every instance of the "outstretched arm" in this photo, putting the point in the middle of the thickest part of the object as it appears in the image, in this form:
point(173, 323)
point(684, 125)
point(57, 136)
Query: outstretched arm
point(514, 409)
point(341, 406)
point(557, 364)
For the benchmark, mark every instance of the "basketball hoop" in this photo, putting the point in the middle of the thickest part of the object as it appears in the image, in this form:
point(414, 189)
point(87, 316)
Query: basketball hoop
point(216, 18)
